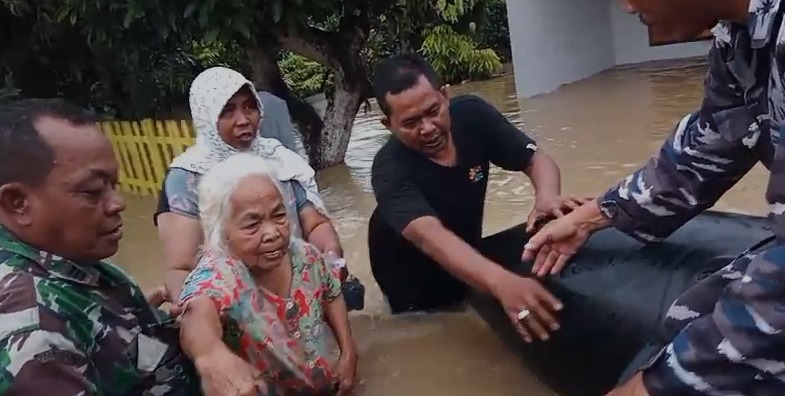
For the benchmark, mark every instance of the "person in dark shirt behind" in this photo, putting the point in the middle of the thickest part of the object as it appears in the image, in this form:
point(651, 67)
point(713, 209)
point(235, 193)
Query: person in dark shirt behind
point(430, 182)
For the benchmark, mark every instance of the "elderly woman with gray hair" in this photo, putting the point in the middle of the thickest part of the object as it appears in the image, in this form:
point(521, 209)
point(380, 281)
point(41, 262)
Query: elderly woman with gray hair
point(259, 306)
point(226, 117)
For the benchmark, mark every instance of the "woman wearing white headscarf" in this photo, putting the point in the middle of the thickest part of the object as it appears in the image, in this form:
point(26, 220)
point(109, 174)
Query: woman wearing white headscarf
point(227, 114)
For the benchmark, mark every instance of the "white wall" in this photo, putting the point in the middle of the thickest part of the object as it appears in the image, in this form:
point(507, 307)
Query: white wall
point(631, 40)
point(555, 42)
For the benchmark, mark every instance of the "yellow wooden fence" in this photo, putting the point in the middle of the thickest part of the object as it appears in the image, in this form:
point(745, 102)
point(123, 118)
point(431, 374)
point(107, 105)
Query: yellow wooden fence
point(144, 150)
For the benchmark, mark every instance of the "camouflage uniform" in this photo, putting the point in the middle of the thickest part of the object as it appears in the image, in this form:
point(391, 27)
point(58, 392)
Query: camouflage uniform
point(81, 330)
point(727, 332)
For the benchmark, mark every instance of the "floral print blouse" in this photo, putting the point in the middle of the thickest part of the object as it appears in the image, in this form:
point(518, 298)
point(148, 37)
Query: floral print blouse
point(280, 335)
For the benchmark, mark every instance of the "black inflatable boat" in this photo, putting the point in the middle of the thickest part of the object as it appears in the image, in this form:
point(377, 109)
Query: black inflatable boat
point(616, 291)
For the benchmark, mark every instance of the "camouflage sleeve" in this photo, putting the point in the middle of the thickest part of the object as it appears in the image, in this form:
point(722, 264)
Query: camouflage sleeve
point(707, 153)
point(35, 362)
point(37, 354)
point(740, 343)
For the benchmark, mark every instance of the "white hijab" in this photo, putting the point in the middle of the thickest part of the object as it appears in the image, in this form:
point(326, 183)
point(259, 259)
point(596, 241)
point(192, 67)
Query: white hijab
point(210, 91)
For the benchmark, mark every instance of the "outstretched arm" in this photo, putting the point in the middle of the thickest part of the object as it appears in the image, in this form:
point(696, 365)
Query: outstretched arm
point(707, 153)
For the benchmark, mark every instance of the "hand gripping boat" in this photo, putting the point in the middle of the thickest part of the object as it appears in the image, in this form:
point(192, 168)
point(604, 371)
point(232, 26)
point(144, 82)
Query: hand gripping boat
point(615, 291)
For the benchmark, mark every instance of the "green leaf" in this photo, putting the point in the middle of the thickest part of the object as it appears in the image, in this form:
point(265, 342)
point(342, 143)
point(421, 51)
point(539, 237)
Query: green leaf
point(190, 9)
point(129, 17)
point(243, 29)
point(211, 35)
point(277, 11)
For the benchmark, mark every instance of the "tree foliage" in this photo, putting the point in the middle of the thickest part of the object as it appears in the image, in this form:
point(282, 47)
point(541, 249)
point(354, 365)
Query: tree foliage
point(493, 30)
point(136, 58)
point(455, 56)
point(302, 75)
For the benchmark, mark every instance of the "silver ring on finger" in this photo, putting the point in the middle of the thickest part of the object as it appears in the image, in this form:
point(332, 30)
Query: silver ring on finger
point(522, 314)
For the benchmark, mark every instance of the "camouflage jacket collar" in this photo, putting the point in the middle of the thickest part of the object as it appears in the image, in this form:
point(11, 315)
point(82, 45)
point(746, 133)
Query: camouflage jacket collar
point(55, 265)
point(762, 14)
point(760, 22)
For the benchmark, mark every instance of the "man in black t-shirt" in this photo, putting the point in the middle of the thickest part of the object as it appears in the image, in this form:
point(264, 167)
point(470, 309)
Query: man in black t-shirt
point(430, 181)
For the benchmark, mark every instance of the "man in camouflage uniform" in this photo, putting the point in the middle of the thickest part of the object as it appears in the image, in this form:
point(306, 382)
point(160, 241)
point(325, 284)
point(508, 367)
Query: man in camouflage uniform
point(70, 322)
point(725, 335)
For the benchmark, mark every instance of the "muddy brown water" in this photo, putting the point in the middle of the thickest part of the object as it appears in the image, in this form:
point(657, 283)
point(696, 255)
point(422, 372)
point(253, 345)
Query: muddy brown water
point(598, 130)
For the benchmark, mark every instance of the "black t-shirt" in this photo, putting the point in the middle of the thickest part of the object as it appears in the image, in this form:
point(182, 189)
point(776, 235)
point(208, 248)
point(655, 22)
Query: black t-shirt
point(408, 185)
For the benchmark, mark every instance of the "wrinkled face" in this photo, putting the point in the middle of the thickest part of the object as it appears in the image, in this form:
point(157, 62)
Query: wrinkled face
point(678, 19)
point(420, 117)
point(239, 120)
point(75, 212)
point(257, 230)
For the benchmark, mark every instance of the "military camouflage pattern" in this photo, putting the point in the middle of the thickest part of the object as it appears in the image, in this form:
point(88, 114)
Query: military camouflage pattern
point(81, 330)
point(728, 330)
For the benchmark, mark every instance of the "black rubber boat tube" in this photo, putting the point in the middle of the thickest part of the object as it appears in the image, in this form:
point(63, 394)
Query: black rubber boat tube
point(616, 291)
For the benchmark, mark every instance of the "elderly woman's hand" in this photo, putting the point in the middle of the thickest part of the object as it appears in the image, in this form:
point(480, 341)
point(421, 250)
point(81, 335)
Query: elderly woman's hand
point(346, 371)
point(225, 374)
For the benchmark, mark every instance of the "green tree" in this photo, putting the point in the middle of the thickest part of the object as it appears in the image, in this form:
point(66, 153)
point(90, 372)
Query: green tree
point(46, 50)
point(493, 29)
point(455, 56)
point(133, 49)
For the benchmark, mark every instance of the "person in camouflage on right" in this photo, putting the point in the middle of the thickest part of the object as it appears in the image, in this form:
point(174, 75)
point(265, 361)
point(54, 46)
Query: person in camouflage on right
point(70, 322)
point(726, 333)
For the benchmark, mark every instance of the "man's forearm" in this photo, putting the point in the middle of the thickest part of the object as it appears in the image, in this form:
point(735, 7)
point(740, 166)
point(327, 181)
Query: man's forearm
point(589, 217)
point(545, 176)
point(454, 254)
point(200, 328)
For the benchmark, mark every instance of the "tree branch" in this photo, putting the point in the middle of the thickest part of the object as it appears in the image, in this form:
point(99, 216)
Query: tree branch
point(310, 42)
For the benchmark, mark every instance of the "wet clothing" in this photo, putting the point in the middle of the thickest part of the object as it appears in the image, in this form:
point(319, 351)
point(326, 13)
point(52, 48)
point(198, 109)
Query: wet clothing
point(70, 329)
point(277, 123)
point(265, 328)
point(730, 330)
point(180, 195)
point(407, 186)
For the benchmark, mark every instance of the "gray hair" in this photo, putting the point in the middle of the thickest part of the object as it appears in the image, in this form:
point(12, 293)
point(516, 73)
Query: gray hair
point(217, 186)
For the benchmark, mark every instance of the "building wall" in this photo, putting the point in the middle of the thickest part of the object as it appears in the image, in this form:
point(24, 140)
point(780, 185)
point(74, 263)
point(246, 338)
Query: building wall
point(631, 41)
point(556, 42)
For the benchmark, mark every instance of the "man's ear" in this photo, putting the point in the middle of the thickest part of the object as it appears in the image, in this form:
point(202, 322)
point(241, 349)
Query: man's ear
point(445, 90)
point(15, 202)
point(385, 121)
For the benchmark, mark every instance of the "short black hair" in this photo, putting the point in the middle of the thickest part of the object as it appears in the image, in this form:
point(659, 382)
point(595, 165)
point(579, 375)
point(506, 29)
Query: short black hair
point(24, 156)
point(399, 73)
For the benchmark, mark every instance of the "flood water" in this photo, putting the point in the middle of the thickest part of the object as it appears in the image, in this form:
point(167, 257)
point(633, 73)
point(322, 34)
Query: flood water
point(598, 130)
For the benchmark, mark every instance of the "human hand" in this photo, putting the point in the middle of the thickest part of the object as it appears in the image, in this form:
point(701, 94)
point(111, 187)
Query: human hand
point(552, 207)
point(161, 295)
point(157, 297)
point(633, 387)
point(346, 371)
point(529, 305)
point(225, 374)
point(553, 245)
